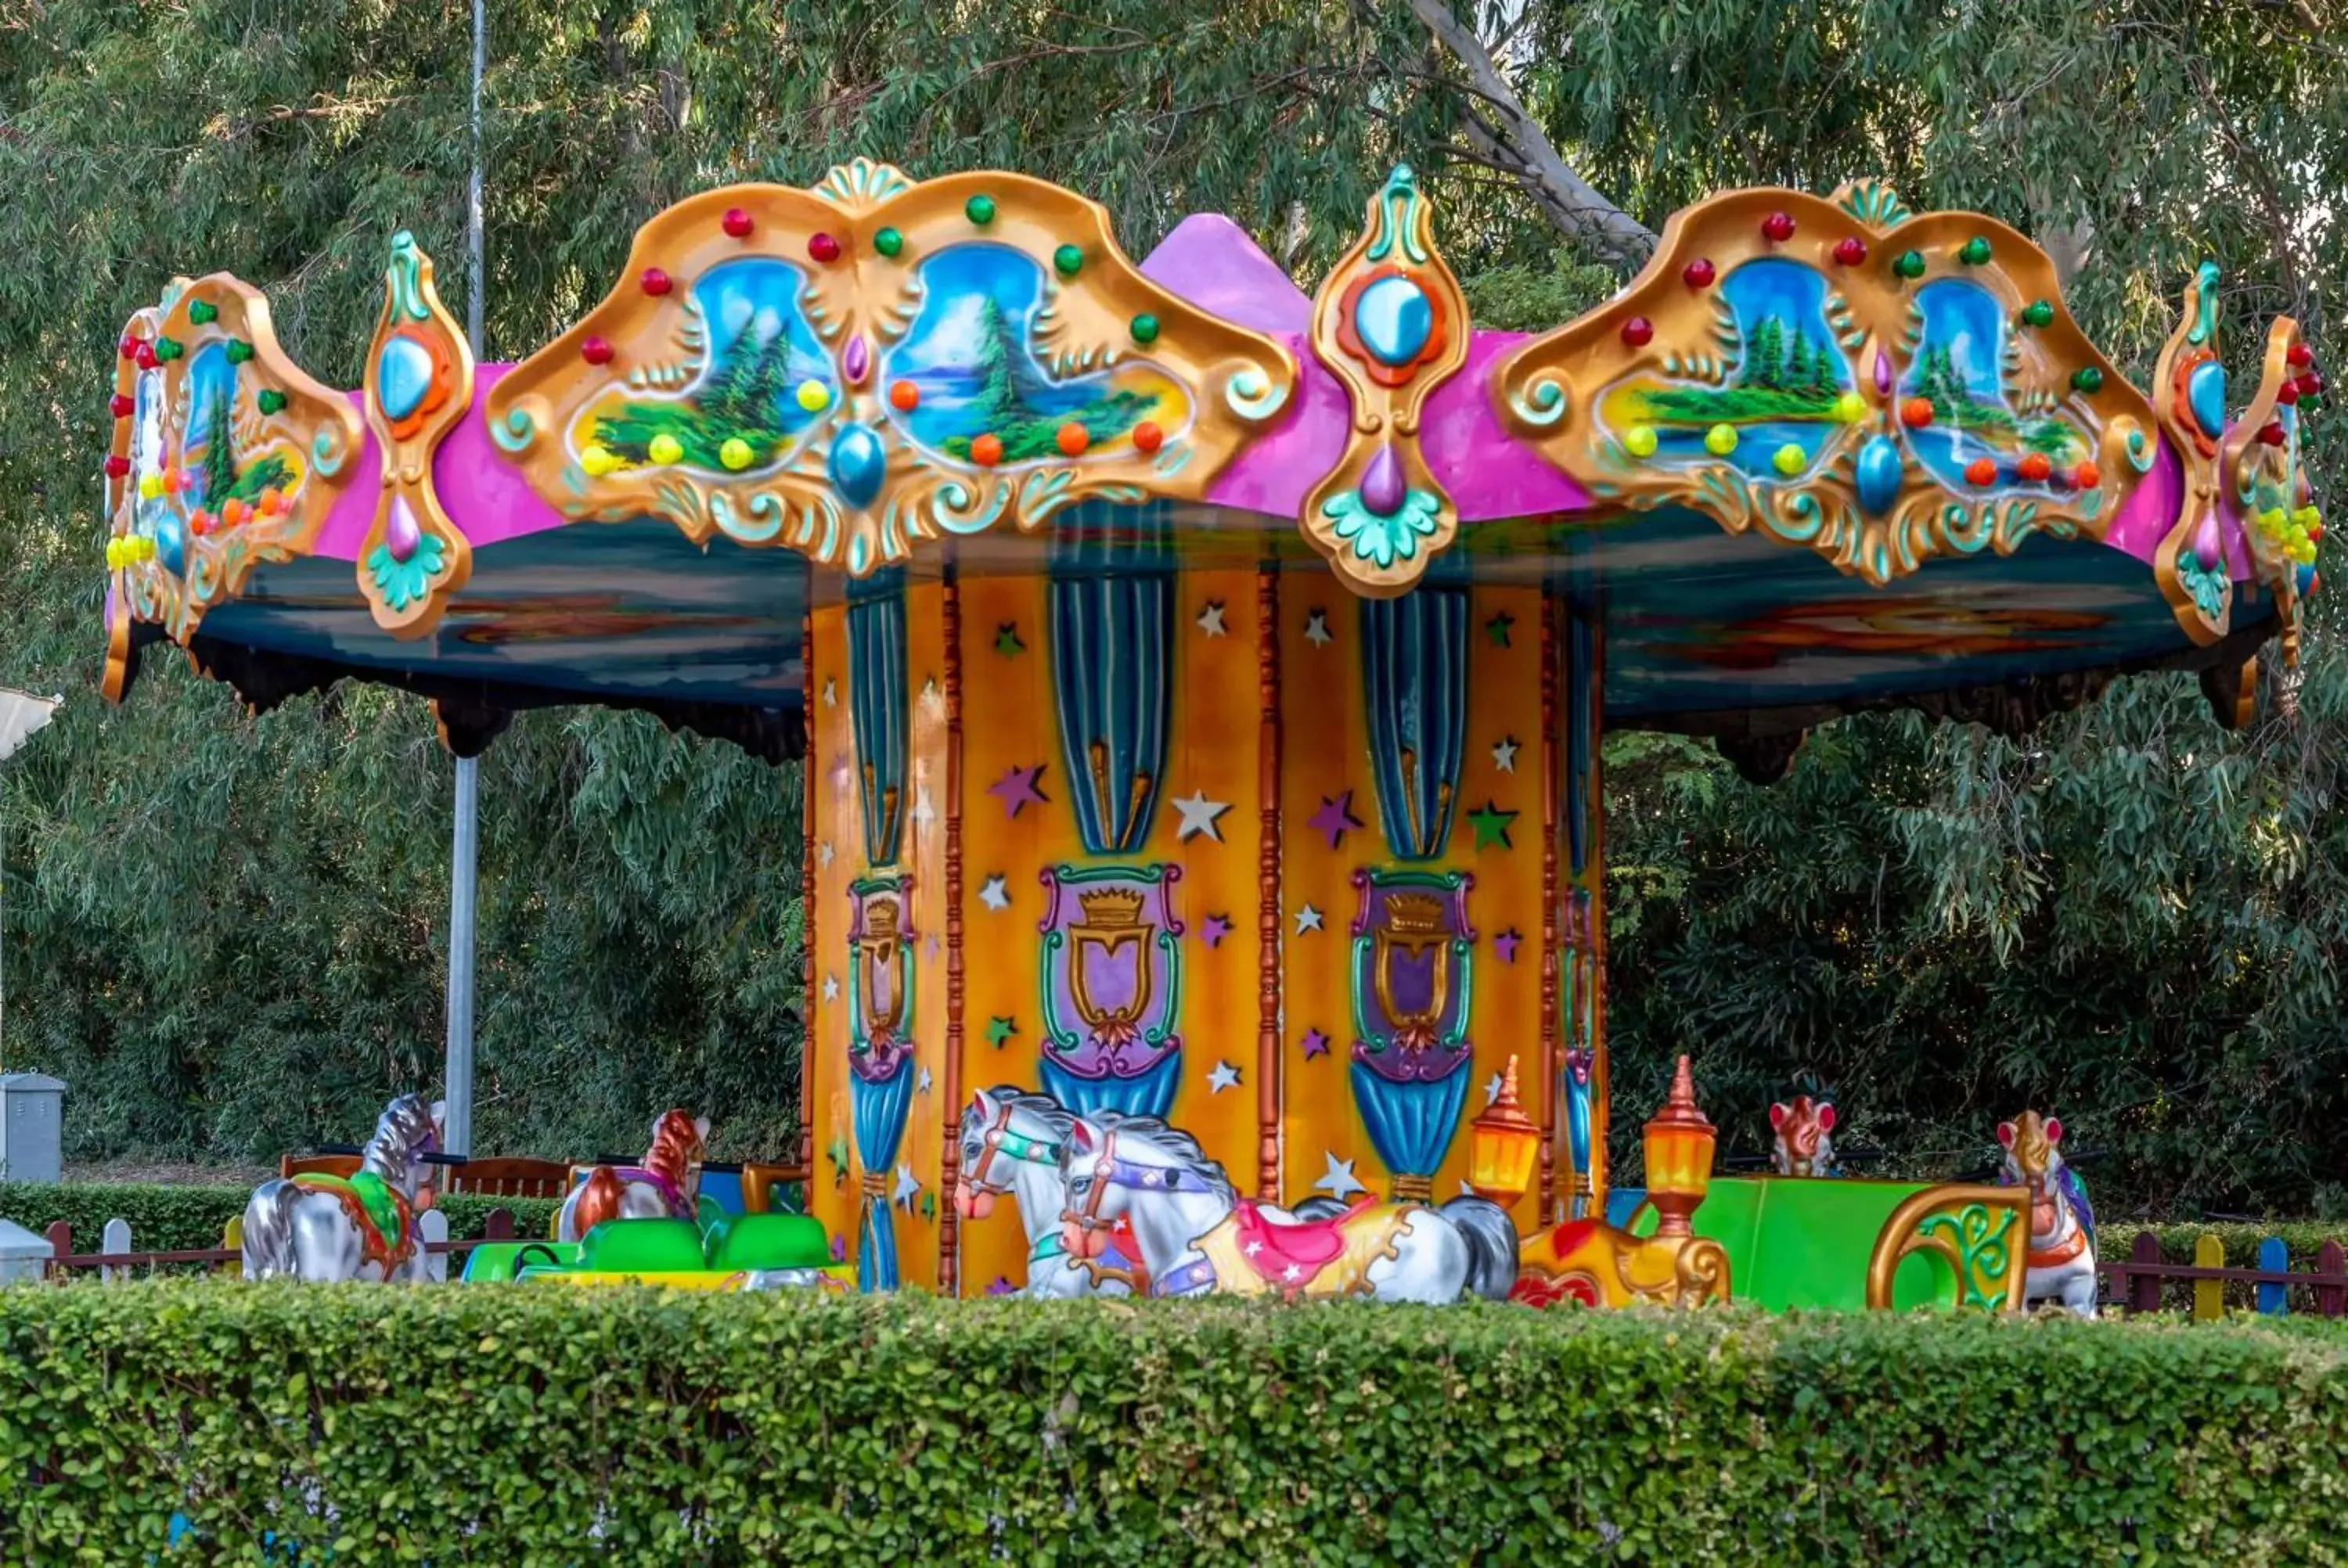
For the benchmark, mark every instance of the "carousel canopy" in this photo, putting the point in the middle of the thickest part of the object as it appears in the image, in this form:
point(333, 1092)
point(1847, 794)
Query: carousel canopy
point(1820, 455)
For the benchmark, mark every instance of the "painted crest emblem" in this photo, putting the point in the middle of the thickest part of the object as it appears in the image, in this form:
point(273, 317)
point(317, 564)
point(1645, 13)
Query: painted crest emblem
point(1411, 945)
point(1112, 988)
point(880, 976)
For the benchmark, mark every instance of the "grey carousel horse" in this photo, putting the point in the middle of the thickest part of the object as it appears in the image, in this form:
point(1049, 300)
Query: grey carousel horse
point(1012, 1141)
point(363, 1227)
point(1196, 1235)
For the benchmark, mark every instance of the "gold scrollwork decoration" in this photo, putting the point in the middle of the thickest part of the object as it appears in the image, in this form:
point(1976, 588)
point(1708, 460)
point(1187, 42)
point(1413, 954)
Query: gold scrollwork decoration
point(419, 387)
point(2261, 473)
point(225, 455)
point(2188, 389)
point(1877, 387)
point(1392, 322)
point(1978, 1231)
point(850, 370)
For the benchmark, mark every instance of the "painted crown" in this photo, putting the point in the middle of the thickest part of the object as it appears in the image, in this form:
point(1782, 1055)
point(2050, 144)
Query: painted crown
point(1111, 906)
point(1415, 914)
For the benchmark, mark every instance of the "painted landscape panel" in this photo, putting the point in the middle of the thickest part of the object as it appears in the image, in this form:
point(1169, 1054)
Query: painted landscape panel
point(1960, 368)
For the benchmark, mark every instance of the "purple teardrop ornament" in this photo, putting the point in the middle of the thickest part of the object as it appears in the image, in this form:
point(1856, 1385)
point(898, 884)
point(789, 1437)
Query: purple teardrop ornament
point(855, 361)
point(400, 534)
point(1882, 373)
point(2205, 548)
point(1381, 484)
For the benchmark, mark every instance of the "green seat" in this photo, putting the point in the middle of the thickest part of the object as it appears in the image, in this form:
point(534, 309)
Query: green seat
point(641, 1246)
point(767, 1241)
point(497, 1261)
point(1799, 1242)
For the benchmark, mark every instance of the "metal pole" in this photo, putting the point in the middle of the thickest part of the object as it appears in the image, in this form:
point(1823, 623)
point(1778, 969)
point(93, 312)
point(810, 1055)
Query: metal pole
point(457, 1126)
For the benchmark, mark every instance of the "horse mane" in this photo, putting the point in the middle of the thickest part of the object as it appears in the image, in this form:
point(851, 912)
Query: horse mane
point(675, 1142)
point(1171, 1141)
point(1042, 1107)
point(404, 1130)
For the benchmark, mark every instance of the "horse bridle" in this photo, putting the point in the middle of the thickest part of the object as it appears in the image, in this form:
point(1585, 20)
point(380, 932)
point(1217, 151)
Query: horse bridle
point(999, 1139)
point(1106, 1173)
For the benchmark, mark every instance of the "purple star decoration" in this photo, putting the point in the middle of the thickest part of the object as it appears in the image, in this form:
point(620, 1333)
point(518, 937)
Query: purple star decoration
point(1002, 1286)
point(1017, 788)
point(1335, 817)
point(839, 1249)
point(1315, 1044)
point(1215, 927)
point(1504, 943)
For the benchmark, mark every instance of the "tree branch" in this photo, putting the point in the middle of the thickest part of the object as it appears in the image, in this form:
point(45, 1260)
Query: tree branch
point(1512, 135)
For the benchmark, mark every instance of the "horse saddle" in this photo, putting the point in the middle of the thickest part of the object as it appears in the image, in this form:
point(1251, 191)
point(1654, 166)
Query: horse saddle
point(382, 1215)
point(1287, 1251)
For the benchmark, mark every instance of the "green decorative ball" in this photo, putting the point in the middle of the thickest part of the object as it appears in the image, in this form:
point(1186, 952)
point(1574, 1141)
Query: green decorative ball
point(1145, 329)
point(271, 400)
point(2038, 314)
point(202, 313)
point(239, 351)
point(1910, 264)
point(1975, 253)
point(979, 210)
point(1069, 259)
point(2087, 379)
point(889, 243)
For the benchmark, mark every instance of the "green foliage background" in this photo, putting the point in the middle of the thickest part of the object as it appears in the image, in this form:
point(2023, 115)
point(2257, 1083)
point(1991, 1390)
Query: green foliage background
point(227, 933)
point(401, 1426)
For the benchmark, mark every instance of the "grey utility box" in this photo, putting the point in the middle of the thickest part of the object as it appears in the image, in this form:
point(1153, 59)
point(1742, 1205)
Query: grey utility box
point(23, 1254)
point(32, 1127)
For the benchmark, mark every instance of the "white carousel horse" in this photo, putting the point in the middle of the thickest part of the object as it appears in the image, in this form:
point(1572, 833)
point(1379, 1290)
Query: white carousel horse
point(2060, 1265)
point(667, 1186)
point(1197, 1234)
point(359, 1227)
point(1012, 1141)
point(1803, 1144)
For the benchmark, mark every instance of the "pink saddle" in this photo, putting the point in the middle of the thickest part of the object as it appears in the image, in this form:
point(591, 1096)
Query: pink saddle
point(1273, 1247)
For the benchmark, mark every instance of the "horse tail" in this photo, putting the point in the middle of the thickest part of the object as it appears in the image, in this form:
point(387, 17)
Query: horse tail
point(1320, 1206)
point(599, 1200)
point(1491, 1238)
point(266, 1240)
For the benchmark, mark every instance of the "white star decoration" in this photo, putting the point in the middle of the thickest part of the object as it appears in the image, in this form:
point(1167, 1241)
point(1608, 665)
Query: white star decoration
point(1504, 754)
point(1467, 1191)
point(924, 813)
point(1317, 628)
point(994, 894)
point(832, 694)
point(823, 853)
point(921, 1085)
point(1492, 1090)
point(1292, 1273)
point(831, 987)
point(934, 698)
point(841, 774)
point(1341, 1181)
point(906, 1187)
point(1199, 815)
point(1210, 620)
point(1307, 919)
point(1225, 1076)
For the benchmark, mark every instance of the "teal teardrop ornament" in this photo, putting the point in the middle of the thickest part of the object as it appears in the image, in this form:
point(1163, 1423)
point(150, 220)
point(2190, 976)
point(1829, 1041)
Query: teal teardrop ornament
point(403, 374)
point(858, 465)
point(2205, 390)
point(1880, 472)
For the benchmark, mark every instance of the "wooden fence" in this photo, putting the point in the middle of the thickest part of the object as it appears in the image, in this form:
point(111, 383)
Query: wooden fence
point(117, 1260)
point(2144, 1282)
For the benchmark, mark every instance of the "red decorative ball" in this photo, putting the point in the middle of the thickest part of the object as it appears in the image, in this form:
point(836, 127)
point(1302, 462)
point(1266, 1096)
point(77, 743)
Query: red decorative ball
point(1638, 332)
point(2309, 385)
point(823, 248)
point(1850, 251)
point(121, 406)
point(118, 467)
point(1916, 412)
point(1777, 228)
point(904, 396)
point(2287, 393)
point(145, 356)
point(1981, 471)
point(596, 351)
point(738, 222)
point(2035, 466)
point(2270, 434)
point(2301, 355)
point(128, 347)
point(656, 283)
point(1699, 273)
point(1147, 437)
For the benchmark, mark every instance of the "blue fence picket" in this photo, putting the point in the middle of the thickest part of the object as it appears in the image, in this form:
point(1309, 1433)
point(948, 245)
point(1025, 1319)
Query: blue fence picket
point(2274, 1258)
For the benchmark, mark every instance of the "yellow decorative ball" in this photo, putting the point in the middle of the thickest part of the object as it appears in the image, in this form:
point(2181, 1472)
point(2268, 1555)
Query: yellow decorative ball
point(736, 454)
point(1720, 440)
point(667, 449)
point(598, 461)
point(814, 396)
point(113, 555)
point(1850, 408)
point(2306, 517)
point(1640, 440)
point(150, 485)
point(1789, 459)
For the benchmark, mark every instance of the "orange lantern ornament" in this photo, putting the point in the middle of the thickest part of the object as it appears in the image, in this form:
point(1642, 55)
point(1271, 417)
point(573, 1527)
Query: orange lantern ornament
point(1502, 1145)
point(1679, 1142)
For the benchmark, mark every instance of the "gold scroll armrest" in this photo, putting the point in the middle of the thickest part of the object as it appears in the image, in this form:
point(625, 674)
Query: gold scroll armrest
point(1981, 1232)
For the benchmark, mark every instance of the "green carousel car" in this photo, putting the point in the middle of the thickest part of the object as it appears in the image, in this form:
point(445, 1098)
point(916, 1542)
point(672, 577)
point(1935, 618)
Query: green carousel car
point(719, 1252)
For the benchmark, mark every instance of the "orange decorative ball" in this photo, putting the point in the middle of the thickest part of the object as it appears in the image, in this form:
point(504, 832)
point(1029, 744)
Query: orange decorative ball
point(2086, 476)
point(1147, 437)
point(2035, 466)
point(199, 522)
point(1073, 439)
point(272, 502)
point(233, 512)
point(1981, 471)
point(904, 396)
point(986, 451)
point(1916, 412)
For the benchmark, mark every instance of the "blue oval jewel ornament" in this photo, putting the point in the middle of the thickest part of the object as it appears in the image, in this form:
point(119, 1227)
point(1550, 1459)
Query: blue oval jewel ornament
point(2205, 391)
point(171, 542)
point(403, 374)
point(1393, 318)
point(858, 465)
point(1879, 474)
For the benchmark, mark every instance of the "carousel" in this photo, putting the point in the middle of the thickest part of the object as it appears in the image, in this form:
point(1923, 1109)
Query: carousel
point(1201, 685)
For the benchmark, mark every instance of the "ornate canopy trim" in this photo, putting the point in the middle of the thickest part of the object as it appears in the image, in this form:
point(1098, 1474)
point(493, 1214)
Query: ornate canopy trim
point(2261, 477)
point(1877, 387)
point(848, 370)
point(225, 455)
point(419, 387)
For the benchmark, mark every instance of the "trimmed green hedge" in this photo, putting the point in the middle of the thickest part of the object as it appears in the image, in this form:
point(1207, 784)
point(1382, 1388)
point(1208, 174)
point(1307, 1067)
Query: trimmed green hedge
point(183, 1219)
point(501, 1424)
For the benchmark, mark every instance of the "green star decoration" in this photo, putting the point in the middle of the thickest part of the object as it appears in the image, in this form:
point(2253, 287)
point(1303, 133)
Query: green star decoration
point(1492, 825)
point(999, 1031)
point(837, 1153)
point(1006, 639)
point(1497, 629)
point(929, 1205)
